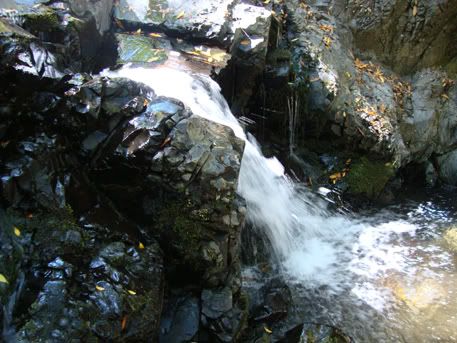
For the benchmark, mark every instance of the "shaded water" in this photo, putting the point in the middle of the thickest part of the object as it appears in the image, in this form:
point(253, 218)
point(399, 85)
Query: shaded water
point(384, 276)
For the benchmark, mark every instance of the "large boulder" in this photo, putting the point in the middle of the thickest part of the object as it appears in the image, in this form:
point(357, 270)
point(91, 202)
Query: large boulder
point(75, 30)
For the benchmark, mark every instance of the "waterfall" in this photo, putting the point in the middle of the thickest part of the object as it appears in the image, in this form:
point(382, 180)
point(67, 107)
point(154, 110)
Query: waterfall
point(295, 220)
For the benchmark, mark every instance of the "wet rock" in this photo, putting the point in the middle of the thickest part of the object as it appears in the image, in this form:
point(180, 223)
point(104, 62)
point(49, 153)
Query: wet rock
point(447, 165)
point(408, 37)
point(255, 31)
point(308, 333)
point(73, 30)
point(276, 301)
point(199, 20)
point(216, 302)
point(85, 298)
point(180, 321)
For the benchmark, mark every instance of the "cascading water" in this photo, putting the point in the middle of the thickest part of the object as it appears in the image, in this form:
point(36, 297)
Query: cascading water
point(273, 201)
point(366, 266)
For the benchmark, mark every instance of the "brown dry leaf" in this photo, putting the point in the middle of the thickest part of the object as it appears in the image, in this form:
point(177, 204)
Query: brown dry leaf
point(336, 176)
point(379, 75)
point(444, 96)
point(245, 42)
point(326, 28)
point(124, 323)
point(360, 65)
point(165, 142)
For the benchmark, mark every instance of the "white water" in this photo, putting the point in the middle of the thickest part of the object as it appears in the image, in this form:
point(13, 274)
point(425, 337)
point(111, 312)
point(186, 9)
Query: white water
point(287, 216)
point(374, 262)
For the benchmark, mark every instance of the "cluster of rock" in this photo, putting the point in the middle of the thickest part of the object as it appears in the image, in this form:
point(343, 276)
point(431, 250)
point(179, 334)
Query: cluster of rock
point(119, 214)
point(120, 217)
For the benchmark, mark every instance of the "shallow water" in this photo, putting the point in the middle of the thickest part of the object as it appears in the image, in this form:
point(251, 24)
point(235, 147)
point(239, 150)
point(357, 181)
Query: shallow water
point(390, 276)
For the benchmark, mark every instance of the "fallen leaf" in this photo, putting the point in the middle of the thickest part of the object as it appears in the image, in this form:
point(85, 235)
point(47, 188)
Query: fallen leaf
point(267, 330)
point(266, 2)
point(327, 41)
point(140, 246)
point(131, 292)
point(124, 323)
point(155, 35)
point(3, 279)
point(414, 10)
point(17, 232)
point(245, 42)
point(326, 28)
point(165, 142)
point(138, 32)
point(336, 176)
point(99, 288)
point(181, 15)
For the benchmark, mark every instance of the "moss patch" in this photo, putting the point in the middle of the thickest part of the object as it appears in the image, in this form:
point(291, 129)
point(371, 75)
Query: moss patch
point(369, 177)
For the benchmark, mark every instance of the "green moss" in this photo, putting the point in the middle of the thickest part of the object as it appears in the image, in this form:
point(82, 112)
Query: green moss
point(369, 177)
point(44, 21)
point(184, 224)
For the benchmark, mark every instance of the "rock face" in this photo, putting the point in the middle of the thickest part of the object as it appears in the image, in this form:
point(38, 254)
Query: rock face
point(351, 79)
point(108, 179)
point(74, 30)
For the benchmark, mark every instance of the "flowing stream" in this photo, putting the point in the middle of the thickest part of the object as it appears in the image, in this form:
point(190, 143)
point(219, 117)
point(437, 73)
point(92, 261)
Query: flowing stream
point(383, 276)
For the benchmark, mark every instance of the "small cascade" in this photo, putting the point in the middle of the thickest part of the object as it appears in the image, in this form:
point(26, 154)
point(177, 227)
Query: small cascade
point(287, 215)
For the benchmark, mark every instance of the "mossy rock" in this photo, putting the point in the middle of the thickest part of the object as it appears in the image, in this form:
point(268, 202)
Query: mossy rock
point(369, 177)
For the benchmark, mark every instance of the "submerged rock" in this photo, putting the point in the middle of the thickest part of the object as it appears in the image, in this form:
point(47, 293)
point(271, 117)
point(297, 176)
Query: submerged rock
point(310, 333)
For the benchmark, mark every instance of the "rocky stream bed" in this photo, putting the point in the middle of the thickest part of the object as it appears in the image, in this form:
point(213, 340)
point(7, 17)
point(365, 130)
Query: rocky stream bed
point(135, 208)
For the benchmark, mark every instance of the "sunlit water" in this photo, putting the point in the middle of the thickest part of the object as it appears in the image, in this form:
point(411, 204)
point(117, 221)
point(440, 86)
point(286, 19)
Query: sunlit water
point(384, 276)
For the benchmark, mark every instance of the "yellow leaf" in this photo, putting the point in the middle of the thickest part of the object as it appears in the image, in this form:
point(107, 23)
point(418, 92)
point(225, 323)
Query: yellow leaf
point(17, 232)
point(99, 288)
point(336, 176)
point(267, 330)
point(138, 32)
point(155, 35)
point(266, 2)
point(181, 15)
point(131, 292)
point(3, 279)
point(414, 10)
point(327, 41)
point(141, 246)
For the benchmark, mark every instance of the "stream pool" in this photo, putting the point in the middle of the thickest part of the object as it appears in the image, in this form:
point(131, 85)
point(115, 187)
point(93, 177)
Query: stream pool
point(387, 275)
